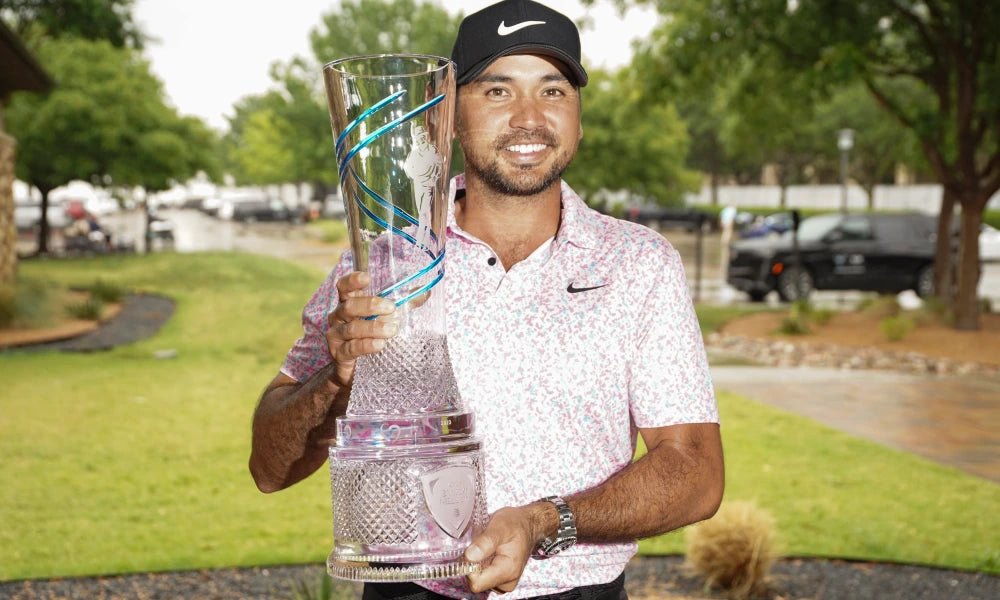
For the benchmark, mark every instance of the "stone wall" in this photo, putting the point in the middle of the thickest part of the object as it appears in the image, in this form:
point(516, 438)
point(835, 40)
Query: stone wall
point(8, 229)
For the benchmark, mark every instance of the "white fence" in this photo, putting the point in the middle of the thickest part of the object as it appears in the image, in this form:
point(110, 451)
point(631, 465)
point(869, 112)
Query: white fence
point(923, 198)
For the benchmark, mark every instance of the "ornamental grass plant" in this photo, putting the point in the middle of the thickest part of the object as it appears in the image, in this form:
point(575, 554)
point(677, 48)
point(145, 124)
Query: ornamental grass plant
point(734, 550)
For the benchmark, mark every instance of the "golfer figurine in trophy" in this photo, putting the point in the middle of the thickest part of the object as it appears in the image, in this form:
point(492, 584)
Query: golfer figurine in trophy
point(406, 468)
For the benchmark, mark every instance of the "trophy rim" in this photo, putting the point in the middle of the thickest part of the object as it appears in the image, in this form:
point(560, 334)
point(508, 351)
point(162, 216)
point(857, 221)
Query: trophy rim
point(388, 572)
point(443, 64)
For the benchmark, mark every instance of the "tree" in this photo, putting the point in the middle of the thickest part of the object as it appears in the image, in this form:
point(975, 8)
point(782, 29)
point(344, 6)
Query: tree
point(880, 144)
point(105, 121)
point(628, 145)
point(700, 100)
point(109, 20)
point(949, 49)
point(284, 135)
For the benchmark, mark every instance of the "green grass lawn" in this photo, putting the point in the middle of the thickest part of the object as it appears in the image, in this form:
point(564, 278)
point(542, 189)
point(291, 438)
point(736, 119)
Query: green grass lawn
point(117, 462)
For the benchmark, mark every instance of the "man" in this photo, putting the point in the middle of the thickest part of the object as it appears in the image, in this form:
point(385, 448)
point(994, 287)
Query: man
point(569, 331)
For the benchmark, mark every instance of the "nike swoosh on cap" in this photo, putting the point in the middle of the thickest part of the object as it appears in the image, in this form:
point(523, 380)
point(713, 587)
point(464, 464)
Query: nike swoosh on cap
point(504, 30)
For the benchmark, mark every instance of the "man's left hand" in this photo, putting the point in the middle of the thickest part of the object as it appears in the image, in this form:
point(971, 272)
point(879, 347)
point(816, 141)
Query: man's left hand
point(505, 546)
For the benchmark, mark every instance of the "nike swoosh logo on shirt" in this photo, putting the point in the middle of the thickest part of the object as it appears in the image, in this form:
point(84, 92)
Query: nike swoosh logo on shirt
point(504, 30)
point(577, 290)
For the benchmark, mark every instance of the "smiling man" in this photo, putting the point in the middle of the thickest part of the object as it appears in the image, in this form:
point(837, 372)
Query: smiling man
point(570, 333)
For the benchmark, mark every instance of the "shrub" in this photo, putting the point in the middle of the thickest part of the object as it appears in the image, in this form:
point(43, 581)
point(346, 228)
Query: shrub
point(109, 293)
point(881, 307)
point(27, 303)
point(734, 549)
point(800, 315)
point(804, 310)
point(793, 326)
point(89, 309)
point(896, 328)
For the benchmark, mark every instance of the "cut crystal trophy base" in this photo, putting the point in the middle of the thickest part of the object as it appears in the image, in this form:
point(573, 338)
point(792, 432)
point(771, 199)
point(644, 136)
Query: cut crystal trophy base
point(407, 496)
point(378, 572)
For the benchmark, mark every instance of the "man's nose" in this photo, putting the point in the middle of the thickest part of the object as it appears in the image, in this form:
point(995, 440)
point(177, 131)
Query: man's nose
point(528, 114)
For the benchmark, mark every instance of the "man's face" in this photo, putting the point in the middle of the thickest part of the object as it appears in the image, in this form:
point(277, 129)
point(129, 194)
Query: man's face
point(519, 124)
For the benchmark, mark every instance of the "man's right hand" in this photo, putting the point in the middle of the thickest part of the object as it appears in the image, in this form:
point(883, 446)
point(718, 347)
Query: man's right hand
point(349, 334)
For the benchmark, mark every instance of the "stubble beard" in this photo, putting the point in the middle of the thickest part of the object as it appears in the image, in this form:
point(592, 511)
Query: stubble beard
point(523, 182)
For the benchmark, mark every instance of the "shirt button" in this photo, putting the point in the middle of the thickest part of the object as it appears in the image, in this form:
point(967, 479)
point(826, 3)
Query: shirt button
point(492, 261)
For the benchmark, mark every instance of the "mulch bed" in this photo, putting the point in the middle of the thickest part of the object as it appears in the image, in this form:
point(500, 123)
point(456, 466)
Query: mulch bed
point(647, 578)
point(141, 316)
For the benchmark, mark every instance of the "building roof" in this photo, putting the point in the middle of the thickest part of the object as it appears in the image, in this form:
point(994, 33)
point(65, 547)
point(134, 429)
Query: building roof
point(18, 68)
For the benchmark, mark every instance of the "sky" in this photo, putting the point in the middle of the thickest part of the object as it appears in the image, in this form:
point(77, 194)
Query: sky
point(211, 53)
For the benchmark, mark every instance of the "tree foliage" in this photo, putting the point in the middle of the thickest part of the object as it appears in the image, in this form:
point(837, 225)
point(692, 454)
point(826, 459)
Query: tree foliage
point(284, 134)
point(105, 121)
point(948, 50)
point(630, 145)
point(109, 20)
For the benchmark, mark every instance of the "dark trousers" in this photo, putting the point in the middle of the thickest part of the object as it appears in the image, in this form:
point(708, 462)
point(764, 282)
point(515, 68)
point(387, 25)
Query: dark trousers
point(614, 590)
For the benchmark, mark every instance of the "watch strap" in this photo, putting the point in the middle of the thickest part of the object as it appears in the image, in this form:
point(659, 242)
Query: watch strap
point(565, 533)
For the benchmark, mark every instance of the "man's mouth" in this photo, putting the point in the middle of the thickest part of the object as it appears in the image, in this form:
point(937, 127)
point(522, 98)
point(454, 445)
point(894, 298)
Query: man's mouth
point(525, 148)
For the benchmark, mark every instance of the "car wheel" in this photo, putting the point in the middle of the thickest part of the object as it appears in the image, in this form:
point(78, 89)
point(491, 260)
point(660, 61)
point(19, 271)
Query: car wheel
point(924, 285)
point(756, 296)
point(794, 283)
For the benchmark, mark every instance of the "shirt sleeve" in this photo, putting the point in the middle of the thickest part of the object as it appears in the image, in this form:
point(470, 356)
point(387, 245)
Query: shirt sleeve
point(310, 353)
point(669, 379)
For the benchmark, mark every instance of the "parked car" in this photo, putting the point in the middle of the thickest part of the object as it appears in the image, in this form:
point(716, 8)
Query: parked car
point(256, 208)
point(885, 253)
point(771, 225)
point(28, 215)
point(211, 205)
point(671, 217)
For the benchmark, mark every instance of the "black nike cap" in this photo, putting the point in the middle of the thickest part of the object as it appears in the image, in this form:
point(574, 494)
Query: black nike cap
point(516, 27)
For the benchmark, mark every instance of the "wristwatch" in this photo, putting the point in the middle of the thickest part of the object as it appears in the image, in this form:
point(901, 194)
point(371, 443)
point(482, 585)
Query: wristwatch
point(565, 535)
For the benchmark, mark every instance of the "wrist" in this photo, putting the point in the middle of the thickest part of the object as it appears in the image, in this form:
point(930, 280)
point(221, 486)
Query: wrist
point(544, 519)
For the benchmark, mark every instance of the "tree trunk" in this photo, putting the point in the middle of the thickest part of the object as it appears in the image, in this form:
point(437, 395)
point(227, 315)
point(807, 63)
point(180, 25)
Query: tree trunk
point(966, 305)
point(714, 187)
point(8, 225)
point(944, 250)
point(43, 225)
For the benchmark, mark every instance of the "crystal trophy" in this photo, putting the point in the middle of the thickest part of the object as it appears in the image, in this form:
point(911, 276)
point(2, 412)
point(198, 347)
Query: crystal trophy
point(406, 468)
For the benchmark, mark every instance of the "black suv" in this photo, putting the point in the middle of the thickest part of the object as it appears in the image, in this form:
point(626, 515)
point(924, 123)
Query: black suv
point(885, 253)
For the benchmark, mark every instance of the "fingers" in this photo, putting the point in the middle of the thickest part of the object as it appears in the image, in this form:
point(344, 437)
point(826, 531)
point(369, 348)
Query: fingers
point(502, 549)
point(350, 333)
point(352, 284)
point(361, 307)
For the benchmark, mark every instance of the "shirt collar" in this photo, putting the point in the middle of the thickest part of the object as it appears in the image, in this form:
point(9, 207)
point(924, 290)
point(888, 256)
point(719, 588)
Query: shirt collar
point(580, 225)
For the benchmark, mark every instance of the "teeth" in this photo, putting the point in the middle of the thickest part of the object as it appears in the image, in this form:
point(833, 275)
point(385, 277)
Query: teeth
point(526, 148)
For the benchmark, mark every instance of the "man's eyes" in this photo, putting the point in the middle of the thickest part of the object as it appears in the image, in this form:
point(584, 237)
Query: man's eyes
point(500, 92)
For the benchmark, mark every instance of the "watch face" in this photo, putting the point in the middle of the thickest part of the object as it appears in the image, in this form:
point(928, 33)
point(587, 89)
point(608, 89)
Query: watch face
point(556, 546)
point(562, 544)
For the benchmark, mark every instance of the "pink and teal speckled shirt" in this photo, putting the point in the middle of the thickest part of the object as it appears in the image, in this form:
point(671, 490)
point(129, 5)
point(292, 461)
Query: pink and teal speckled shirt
point(559, 382)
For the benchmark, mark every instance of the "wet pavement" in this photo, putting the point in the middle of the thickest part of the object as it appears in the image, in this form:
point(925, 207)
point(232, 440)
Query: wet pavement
point(952, 420)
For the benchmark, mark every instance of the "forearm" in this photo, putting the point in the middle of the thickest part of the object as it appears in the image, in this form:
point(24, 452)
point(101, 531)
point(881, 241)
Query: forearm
point(291, 427)
point(675, 484)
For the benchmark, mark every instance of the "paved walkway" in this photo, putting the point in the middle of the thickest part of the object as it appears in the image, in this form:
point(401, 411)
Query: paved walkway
point(952, 420)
